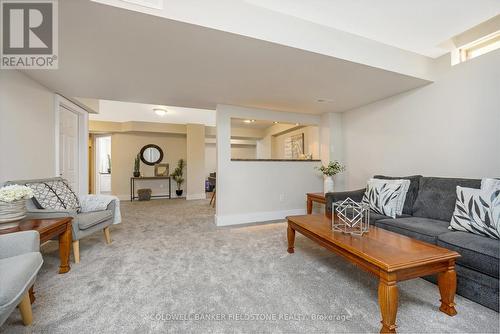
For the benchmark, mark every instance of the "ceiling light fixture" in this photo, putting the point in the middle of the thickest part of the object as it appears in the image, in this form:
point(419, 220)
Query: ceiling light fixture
point(249, 121)
point(159, 111)
point(276, 122)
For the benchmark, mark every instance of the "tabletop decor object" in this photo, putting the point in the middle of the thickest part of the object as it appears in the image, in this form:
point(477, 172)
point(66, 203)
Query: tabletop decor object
point(13, 204)
point(333, 168)
point(351, 217)
point(137, 166)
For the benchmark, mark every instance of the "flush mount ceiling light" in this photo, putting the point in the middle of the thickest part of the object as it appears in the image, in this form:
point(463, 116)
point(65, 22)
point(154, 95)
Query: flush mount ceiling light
point(324, 100)
point(155, 4)
point(276, 122)
point(160, 111)
point(249, 121)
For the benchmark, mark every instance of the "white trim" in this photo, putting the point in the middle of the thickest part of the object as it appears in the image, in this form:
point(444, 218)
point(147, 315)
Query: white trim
point(255, 217)
point(83, 133)
point(196, 196)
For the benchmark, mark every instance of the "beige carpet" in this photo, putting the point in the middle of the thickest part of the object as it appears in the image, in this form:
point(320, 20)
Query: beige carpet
point(169, 269)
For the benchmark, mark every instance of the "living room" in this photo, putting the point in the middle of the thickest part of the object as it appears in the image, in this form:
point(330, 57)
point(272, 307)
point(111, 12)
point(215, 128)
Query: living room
point(322, 109)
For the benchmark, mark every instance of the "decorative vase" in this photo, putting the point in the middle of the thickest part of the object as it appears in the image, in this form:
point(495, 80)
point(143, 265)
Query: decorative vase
point(137, 174)
point(328, 184)
point(11, 213)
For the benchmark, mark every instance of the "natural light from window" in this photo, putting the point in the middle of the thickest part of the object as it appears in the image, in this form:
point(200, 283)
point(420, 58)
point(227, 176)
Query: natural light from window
point(477, 48)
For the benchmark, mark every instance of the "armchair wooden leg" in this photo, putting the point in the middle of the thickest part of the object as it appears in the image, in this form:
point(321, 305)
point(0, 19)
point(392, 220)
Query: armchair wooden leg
point(76, 250)
point(107, 235)
point(25, 309)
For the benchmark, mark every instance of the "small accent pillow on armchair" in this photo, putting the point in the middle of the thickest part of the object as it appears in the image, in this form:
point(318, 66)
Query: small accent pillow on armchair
point(386, 197)
point(478, 210)
point(55, 194)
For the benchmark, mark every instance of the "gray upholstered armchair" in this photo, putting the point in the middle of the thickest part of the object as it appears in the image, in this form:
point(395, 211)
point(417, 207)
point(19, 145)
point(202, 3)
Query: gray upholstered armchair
point(83, 224)
point(20, 261)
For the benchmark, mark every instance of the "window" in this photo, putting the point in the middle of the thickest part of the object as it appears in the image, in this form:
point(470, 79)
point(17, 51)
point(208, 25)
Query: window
point(477, 48)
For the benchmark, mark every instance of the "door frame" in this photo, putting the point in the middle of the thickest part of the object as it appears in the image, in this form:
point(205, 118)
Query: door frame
point(83, 134)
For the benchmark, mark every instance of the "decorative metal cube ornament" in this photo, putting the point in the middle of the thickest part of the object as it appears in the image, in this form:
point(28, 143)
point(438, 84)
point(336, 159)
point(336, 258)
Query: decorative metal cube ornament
point(351, 217)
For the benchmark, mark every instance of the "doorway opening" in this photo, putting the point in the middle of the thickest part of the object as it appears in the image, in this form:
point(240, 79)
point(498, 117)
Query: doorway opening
point(103, 167)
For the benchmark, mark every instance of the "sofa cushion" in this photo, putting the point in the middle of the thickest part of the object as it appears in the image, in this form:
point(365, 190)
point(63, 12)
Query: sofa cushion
point(377, 216)
point(412, 193)
point(478, 252)
point(424, 229)
point(88, 219)
point(16, 273)
point(437, 196)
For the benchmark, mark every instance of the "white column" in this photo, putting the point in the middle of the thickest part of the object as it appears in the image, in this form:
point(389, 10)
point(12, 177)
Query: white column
point(195, 168)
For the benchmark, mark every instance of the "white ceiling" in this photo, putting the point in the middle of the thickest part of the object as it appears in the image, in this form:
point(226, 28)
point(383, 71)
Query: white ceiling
point(114, 54)
point(115, 111)
point(414, 25)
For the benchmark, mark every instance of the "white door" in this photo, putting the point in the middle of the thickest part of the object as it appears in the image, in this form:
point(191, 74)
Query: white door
point(68, 147)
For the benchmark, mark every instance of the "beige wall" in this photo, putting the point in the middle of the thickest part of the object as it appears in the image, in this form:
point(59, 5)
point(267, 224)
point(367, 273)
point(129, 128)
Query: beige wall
point(195, 180)
point(243, 151)
point(27, 130)
point(124, 148)
point(449, 128)
point(210, 158)
point(311, 142)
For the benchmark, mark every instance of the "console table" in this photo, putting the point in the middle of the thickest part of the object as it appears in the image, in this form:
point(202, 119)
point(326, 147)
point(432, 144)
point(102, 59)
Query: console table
point(150, 178)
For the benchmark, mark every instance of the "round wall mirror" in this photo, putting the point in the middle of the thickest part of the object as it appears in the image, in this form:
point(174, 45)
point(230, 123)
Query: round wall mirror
point(151, 154)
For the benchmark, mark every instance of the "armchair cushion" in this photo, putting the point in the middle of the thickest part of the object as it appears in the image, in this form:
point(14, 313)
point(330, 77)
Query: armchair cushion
point(17, 273)
point(14, 244)
point(86, 220)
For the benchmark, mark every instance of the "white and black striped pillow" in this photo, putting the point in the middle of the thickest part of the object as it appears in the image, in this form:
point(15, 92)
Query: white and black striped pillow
point(54, 194)
point(477, 211)
point(386, 197)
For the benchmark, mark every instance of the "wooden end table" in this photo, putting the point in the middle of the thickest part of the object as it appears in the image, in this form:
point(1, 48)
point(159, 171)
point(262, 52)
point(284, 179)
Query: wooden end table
point(314, 197)
point(389, 256)
point(49, 229)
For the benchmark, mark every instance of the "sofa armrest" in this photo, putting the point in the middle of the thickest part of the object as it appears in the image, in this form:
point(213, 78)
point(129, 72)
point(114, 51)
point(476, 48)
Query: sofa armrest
point(18, 243)
point(50, 213)
point(355, 195)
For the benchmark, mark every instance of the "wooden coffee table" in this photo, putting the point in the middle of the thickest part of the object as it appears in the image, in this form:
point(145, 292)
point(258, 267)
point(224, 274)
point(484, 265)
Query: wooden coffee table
point(49, 229)
point(389, 256)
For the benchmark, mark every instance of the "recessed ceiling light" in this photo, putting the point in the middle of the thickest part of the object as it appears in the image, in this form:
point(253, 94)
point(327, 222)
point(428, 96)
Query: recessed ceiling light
point(159, 111)
point(249, 121)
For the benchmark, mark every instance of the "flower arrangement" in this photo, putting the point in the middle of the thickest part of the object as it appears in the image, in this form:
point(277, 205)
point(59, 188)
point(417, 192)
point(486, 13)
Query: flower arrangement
point(12, 193)
point(333, 168)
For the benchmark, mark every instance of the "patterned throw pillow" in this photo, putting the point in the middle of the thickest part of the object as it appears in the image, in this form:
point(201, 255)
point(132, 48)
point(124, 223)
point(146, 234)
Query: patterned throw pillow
point(490, 184)
point(477, 211)
point(386, 197)
point(54, 194)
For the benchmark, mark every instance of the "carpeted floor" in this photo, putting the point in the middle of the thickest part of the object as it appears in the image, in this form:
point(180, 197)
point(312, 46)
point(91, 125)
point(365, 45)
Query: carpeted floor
point(169, 269)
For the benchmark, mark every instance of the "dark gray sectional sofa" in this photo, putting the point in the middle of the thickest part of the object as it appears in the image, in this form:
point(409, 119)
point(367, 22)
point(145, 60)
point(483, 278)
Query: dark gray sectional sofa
point(427, 213)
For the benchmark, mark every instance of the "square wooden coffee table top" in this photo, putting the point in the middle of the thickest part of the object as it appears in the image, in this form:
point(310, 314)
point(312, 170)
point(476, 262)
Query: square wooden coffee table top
point(389, 256)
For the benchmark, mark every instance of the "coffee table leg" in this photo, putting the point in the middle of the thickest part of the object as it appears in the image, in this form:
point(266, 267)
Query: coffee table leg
point(64, 250)
point(447, 282)
point(388, 301)
point(290, 233)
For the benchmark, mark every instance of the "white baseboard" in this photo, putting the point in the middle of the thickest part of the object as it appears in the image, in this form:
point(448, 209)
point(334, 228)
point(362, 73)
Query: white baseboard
point(254, 217)
point(190, 197)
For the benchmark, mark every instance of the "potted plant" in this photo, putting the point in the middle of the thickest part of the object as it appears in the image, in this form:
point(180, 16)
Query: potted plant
point(333, 168)
point(109, 164)
point(178, 176)
point(13, 204)
point(137, 166)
